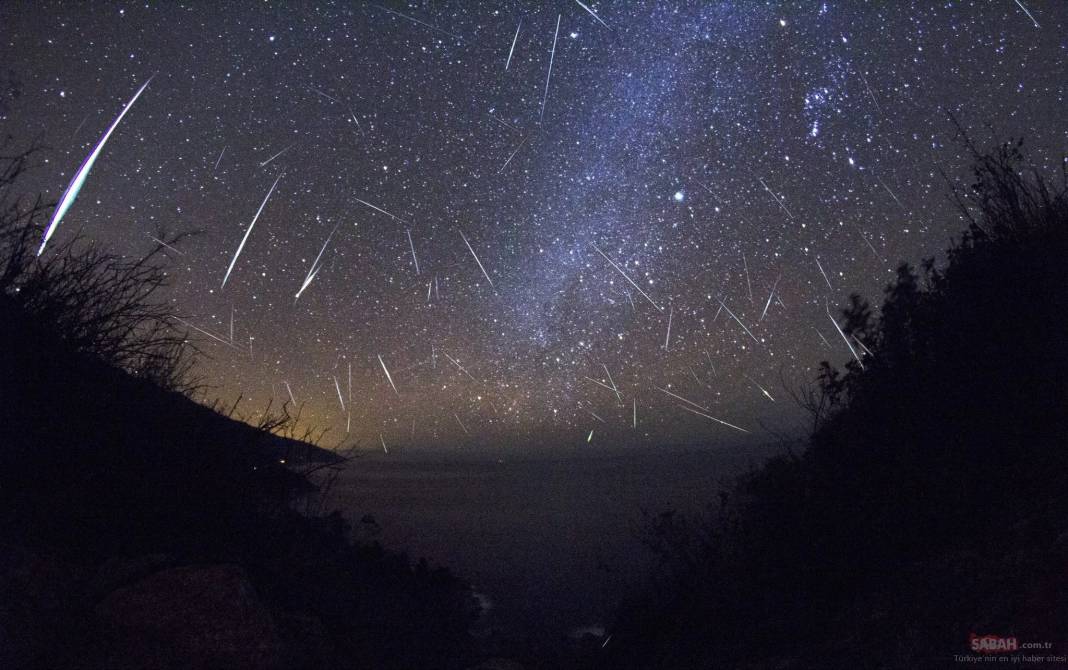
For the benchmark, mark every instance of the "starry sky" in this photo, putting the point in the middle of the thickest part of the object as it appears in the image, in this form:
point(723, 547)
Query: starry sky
point(552, 223)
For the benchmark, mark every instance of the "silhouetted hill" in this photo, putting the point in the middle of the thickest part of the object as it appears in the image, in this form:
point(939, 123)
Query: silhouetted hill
point(930, 503)
point(139, 528)
point(88, 446)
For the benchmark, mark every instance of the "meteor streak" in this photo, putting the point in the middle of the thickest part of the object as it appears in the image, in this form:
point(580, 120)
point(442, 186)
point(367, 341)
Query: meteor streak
point(619, 396)
point(512, 50)
point(846, 339)
point(388, 376)
point(1028, 13)
point(679, 397)
point(247, 232)
point(412, 245)
point(457, 364)
point(339, 398)
point(202, 331)
point(264, 163)
point(513, 154)
point(476, 259)
point(748, 283)
point(460, 422)
point(315, 267)
point(823, 273)
point(777, 199)
point(747, 331)
point(163, 244)
point(667, 338)
point(415, 20)
point(80, 176)
point(379, 209)
point(592, 13)
point(762, 389)
point(548, 75)
point(328, 97)
point(770, 296)
point(620, 270)
point(707, 416)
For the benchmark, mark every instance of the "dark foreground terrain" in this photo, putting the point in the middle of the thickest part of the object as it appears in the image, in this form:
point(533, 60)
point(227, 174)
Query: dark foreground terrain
point(141, 529)
point(929, 507)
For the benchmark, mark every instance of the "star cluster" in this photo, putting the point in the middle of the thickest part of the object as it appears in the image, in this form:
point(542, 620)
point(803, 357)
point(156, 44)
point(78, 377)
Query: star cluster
point(526, 223)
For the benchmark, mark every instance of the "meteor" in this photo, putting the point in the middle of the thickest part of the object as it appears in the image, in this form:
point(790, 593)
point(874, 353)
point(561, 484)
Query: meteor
point(460, 422)
point(602, 384)
point(202, 331)
point(315, 266)
point(777, 199)
point(592, 13)
point(823, 273)
point(379, 209)
point(707, 416)
point(513, 154)
point(512, 50)
point(476, 259)
point(457, 364)
point(163, 244)
point(770, 296)
point(679, 397)
point(549, 74)
point(667, 338)
point(415, 20)
point(747, 331)
point(619, 396)
point(339, 398)
point(1028, 13)
point(748, 283)
point(762, 389)
point(388, 376)
point(839, 329)
point(328, 97)
point(412, 245)
point(80, 176)
point(620, 270)
point(264, 163)
point(247, 232)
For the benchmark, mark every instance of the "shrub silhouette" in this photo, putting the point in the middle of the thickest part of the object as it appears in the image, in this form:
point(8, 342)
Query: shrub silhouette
point(930, 502)
point(103, 454)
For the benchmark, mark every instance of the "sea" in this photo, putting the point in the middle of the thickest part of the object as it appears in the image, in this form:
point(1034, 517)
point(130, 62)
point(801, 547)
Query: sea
point(549, 541)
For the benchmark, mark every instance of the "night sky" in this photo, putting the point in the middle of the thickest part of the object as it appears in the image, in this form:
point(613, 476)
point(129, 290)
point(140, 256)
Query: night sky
point(655, 226)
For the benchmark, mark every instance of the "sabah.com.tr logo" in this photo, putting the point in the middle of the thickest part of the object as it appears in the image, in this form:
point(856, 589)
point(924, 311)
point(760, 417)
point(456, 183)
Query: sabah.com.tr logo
point(992, 644)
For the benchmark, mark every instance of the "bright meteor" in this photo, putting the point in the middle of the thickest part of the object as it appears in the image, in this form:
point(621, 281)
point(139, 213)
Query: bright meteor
point(83, 172)
point(247, 232)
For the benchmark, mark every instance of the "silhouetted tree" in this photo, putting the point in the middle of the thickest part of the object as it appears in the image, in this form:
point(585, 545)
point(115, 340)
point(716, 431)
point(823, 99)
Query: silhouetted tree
point(931, 497)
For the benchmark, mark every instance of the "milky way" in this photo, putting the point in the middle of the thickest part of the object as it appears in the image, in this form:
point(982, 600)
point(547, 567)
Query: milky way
point(642, 242)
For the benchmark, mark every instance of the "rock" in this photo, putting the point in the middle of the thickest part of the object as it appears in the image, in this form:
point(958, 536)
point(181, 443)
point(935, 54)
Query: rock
point(189, 617)
point(307, 642)
point(498, 664)
point(37, 593)
point(119, 571)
